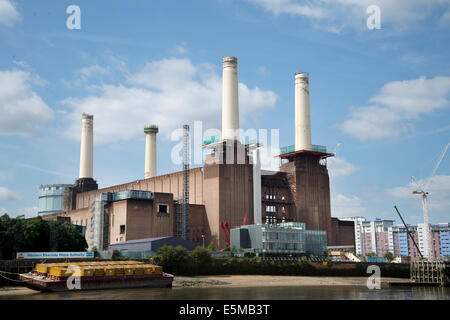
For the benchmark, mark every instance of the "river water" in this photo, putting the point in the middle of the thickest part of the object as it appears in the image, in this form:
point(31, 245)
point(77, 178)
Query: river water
point(254, 293)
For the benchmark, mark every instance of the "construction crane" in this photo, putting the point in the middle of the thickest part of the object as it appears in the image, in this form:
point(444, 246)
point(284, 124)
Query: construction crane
point(422, 191)
point(336, 148)
point(323, 160)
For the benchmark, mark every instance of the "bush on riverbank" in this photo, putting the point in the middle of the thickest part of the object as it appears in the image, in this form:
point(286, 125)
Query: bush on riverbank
point(37, 235)
point(200, 262)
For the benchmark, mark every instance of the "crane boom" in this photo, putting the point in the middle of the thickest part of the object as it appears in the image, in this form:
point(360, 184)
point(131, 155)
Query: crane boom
point(436, 166)
point(336, 148)
point(418, 186)
point(407, 231)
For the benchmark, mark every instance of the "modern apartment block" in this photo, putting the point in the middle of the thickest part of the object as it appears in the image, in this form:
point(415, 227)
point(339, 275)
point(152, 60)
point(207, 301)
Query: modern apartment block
point(371, 236)
point(381, 236)
point(404, 246)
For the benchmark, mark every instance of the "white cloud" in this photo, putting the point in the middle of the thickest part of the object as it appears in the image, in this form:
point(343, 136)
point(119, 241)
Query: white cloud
point(438, 188)
point(413, 59)
point(396, 106)
point(85, 74)
point(335, 15)
point(181, 48)
point(35, 168)
point(415, 97)
point(23, 111)
point(169, 93)
point(8, 195)
point(290, 7)
point(268, 158)
point(8, 13)
point(262, 70)
point(6, 175)
point(339, 167)
point(372, 123)
point(445, 19)
point(28, 212)
point(342, 206)
point(95, 69)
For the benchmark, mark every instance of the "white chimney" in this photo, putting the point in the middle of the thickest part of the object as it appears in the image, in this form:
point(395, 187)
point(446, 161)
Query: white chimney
point(87, 146)
point(150, 150)
point(302, 116)
point(230, 99)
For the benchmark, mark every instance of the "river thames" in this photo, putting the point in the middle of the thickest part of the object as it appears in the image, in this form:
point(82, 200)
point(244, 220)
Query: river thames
point(250, 293)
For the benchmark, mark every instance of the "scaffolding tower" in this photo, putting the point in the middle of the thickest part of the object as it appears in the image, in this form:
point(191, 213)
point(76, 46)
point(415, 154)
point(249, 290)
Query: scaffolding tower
point(96, 223)
point(178, 210)
point(185, 199)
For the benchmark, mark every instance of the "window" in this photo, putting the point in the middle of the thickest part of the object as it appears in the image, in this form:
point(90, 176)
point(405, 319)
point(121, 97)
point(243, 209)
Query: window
point(163, 208)
point(122, 229)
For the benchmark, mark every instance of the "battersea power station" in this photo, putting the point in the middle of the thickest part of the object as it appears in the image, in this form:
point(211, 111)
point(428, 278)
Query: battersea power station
point(195, 203)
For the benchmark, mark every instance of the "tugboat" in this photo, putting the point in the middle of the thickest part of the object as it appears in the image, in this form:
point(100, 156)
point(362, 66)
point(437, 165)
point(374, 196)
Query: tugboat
point(71, 276)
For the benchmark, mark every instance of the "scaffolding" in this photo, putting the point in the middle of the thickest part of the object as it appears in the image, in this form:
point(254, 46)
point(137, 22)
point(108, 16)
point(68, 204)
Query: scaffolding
point(429, 272)
point(96, 221)
point(178, 211)
point(98, 228)
point(185, 199)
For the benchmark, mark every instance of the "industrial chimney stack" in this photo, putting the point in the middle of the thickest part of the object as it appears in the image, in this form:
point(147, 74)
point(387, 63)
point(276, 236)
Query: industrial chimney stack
point(230, 99)
point(302, 114)
point(87, 147)
point(85, 181)
point(150, 150)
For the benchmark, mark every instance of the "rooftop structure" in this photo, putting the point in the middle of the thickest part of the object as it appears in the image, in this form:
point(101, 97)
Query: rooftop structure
point(51, 198)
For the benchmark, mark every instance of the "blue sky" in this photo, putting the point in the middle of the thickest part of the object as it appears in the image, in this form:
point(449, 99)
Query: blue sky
point(382, 93)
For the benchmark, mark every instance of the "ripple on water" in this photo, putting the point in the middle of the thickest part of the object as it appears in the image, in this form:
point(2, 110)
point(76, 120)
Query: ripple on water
point(254, 293)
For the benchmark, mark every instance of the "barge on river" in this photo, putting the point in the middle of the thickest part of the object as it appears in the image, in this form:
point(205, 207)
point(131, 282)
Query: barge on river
point(96, 276)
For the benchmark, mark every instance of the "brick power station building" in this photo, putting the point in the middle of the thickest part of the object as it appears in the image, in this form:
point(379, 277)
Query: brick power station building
point(230, 187)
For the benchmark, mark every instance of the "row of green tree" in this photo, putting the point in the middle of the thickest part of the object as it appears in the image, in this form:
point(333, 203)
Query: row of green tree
point(37, 235)
point(177, 261)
